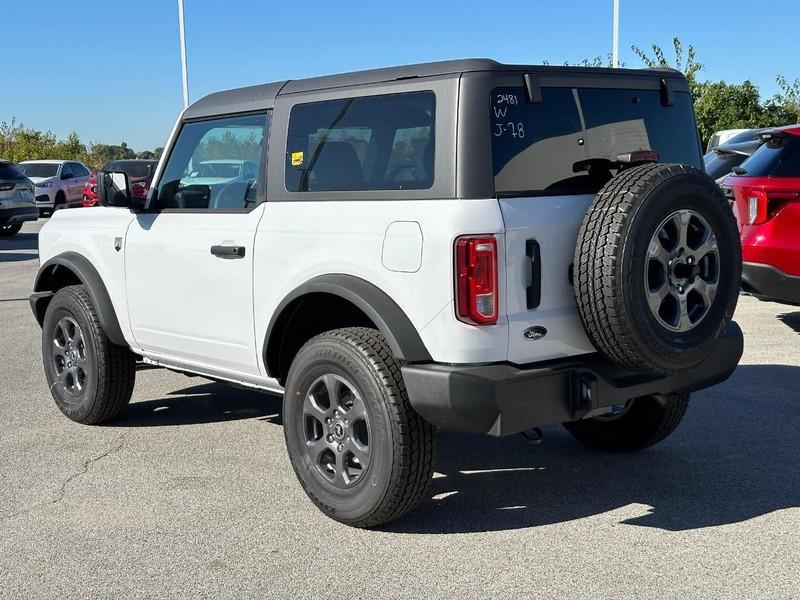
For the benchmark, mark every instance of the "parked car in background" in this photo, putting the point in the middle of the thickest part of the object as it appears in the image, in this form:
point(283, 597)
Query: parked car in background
point(16, 199)
point(58, 183)
point(722, 137)
point(210, 172)
point(721, 160)
point(140, 173)
point(766, 188)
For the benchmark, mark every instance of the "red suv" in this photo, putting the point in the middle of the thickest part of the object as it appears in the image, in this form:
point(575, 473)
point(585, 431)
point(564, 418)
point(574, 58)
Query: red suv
point(140, 172)
point(766, 190)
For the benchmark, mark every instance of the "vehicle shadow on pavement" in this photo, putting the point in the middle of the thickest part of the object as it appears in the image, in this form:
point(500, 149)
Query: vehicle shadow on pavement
point(207, 402)
point(791, 319)
point(733, 458)
point(21, 241)
point(16, 256)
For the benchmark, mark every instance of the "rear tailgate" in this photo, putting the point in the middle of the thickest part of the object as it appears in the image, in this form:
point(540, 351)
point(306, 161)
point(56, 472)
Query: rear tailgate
point(552, 224)
point(549, 159)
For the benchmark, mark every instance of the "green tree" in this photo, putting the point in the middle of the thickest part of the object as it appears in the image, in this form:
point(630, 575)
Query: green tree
point(71, 148)
point(719, 105)
point(658, 59)
point(18, 143)
point(786, 103)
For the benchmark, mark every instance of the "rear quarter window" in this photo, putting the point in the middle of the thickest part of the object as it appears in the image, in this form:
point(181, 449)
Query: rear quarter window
point(538, 148)
point(778, 157)
point(381, 142)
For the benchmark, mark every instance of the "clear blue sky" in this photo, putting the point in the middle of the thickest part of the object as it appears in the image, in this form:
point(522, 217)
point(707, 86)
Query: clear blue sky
point(110, 70)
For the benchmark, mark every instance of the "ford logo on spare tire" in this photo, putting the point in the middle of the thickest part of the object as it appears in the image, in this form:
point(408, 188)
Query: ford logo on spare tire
point(534, 333)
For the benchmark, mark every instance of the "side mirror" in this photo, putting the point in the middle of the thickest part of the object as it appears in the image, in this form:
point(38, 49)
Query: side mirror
point(67, 175)
point(113, 188)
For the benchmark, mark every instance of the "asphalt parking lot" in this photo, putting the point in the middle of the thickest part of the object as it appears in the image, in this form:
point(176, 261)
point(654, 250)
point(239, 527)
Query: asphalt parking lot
point(191, 494)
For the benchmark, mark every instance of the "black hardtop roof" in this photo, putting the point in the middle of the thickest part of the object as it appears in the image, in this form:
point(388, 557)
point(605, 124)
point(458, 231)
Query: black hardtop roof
point(259, 97)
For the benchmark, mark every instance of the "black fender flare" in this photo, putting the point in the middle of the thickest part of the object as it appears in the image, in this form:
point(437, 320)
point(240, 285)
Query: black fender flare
point(401, 335)
point(84, 270)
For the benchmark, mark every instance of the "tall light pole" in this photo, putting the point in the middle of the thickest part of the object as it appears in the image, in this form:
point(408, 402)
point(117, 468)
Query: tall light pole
point(182, 29)
point(615, 43)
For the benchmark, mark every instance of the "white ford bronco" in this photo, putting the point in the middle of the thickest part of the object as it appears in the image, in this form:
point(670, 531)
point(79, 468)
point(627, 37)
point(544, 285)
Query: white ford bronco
point(461, 245)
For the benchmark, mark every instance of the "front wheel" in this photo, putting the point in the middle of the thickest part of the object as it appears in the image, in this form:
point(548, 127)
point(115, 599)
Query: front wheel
point(361, 453)
point(637, 424)
point(90, 378)
point(9, 230)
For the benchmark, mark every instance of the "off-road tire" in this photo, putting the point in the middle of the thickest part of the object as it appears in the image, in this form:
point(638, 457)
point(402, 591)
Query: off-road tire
point(111, 369)
point(9, 230)
point(402, 444)
point(609, 267)
point(647, 421)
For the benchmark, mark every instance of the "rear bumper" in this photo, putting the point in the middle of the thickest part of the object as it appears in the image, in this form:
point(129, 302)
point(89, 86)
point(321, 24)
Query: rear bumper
point(18, 214)
point(770, 283)
point(502, 399)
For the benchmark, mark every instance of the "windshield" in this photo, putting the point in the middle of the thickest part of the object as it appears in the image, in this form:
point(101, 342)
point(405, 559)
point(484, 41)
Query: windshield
point(541, 148)
point(39, 169)
point(134, 168)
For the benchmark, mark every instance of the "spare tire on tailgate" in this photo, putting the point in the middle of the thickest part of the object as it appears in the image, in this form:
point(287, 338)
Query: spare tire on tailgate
point(657, 268)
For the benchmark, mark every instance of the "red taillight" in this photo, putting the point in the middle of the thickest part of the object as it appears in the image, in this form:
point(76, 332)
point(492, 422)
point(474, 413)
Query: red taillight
point(759, 206)
point(756, 207)
point(476, 280)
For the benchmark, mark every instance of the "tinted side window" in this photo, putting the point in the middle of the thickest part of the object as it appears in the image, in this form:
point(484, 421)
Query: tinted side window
point(369, 143)
point(66, 169)
point(78, 170)
point(778, 157)
point(206, 169)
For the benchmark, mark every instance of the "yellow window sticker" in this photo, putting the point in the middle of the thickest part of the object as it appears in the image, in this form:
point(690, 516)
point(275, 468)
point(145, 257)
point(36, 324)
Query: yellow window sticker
point(297, 159)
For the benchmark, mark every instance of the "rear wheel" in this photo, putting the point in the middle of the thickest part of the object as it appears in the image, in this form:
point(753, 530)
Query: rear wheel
point(361, 453)
point(9, 230)
point(637, 424)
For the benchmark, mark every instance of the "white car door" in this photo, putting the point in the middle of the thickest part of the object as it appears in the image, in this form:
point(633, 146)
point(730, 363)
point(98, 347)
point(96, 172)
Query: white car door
point(189, 256)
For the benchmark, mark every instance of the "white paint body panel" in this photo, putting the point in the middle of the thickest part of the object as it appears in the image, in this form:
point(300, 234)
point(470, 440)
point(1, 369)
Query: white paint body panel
point(186, 303)
point(298, 241)
point(554, 223)
point(179, 305)
point(91, 232)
